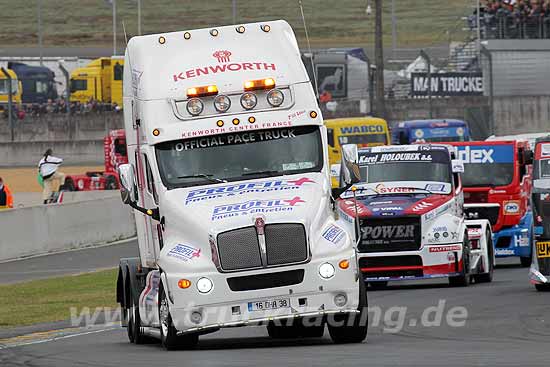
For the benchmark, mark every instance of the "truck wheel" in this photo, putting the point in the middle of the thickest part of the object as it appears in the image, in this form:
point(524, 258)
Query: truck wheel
point(68, 185)
point(168, 333)
point(135, 332)
point(357, 331)
point(542, 287)
point(487, 277)
point(110, 183)
point(525, 262)
point(464, 279)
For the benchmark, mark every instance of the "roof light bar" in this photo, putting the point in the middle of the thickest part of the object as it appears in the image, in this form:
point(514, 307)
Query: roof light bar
point(209, 90)
point(268, 83)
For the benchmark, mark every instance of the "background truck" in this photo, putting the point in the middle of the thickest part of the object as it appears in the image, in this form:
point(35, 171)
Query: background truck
point(38, 82)
point(4, 89)
point(429, 131)
point(228, 176)
point(100, 81)
point(539, 274)
point(497, 187)
point(411, 224)
point(115, 154)
point(363, 131)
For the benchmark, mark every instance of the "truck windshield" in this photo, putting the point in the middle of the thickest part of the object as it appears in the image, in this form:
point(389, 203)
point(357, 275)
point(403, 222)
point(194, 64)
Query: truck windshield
point(480, 174)
point(78, 84)
point(240, 156)
point(404, 166)
point(544, 168)
point(364, 140)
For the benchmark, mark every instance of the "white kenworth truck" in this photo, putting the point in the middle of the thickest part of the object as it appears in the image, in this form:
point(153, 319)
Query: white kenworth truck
point(410, 220)
point(229, 180)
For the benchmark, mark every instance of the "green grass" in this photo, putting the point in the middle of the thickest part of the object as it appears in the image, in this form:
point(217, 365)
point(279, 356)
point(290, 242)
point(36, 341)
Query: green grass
point(330, 22)
point(50, 300)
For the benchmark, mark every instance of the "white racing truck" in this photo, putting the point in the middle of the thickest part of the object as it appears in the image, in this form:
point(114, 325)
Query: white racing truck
point(409, 214)
point(228, 177)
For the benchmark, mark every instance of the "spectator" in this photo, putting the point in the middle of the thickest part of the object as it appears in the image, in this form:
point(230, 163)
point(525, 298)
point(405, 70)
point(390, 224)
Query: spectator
point(47, 167)
point(6, 198)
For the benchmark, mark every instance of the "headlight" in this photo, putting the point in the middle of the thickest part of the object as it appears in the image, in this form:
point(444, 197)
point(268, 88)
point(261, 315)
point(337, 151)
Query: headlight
point(222, 103)
point(326, 271)
point(204, 285)
point(275, 97)
point(249, 100)
point(195, 106)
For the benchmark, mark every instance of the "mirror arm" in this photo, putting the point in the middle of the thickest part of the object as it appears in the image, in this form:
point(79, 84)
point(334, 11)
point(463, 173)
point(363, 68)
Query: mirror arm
point(336, 192)
point(153, 213)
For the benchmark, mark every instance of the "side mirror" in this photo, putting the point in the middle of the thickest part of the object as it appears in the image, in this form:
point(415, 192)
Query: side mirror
point(350, 167)
point(457, 166)
point(541, 186)
point(127, 183)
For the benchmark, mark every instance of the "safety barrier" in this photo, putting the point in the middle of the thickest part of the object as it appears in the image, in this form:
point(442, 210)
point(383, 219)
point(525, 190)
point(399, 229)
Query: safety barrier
point(44, 229)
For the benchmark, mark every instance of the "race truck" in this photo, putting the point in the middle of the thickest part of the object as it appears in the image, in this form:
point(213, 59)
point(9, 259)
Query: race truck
point(115, 154)
point(497, 187)
point(408, 210)
point(430, 131)
point(539, 274)
point(228, 178)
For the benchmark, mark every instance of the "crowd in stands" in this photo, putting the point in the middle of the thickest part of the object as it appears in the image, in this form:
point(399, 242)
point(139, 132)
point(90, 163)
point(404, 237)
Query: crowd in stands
point(59, 106)
point(513, 19)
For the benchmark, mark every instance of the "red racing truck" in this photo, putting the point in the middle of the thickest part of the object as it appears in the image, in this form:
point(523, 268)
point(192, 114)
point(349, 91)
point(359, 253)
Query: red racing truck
point(497, 186)
point(114, 148)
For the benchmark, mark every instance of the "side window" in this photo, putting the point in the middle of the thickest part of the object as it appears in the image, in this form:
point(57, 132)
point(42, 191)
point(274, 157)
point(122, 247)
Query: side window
point(120, 147)
point(150, 179)
point(330, 137)
point(118, 71)
point(136, 167)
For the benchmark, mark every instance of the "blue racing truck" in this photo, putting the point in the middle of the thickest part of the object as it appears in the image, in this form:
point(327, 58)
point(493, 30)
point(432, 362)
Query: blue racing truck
point(430, 131)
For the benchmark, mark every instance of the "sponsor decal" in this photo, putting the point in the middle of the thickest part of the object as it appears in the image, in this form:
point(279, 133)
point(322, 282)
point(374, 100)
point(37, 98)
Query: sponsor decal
point(486, 154)
point(543, 250)
point(383, 189)
point(435, 187)
point(445, 248)
point(474, 232)
point(255, 206)
point(234, 129)
point(365, 129)
point(387, 214)
point(184, 252)
point(447, 84)
point(387, 208)
point(504, 252)
point(245, 188)
point(440, 229)
point(511, 207)
point(545, 149)
point(222, 56)
point(234, 139)
point(395, 157)
point(383, 234)
point(382, 202)
point(421, 206)
point(333, 234)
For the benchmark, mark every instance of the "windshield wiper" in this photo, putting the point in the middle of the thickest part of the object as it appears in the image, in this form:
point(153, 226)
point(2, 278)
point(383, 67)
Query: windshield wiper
point(266, 172)
point(209, 177)
point(413, 188)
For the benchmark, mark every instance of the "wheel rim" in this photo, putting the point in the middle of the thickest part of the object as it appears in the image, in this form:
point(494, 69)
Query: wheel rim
point(163, 314)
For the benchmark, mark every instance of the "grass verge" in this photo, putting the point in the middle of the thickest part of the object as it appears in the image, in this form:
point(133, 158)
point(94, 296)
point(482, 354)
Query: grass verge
point(50, 300)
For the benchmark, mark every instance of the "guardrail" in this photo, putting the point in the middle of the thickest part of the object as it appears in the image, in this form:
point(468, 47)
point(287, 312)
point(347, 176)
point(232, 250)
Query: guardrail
point(49, 228)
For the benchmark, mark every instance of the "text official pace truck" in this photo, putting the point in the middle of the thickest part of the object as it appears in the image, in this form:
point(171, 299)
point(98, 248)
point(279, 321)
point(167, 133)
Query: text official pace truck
point(497, 186)
point(228, 177)
point(411, 224)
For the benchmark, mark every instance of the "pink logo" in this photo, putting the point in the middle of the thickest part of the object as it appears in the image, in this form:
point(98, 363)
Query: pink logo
point(222, 55)
point(294, 201)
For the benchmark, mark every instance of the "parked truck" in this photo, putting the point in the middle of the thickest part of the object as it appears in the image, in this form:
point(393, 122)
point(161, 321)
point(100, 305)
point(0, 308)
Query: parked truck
point(100, 81)
point(228, 178)
point(38, 82)
point(115, 154)
point(5, 87)
point(408, 210)
point(497, 187)
point(539, 274)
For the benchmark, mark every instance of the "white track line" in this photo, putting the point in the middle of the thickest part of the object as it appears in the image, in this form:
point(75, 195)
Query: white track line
point(58, 338)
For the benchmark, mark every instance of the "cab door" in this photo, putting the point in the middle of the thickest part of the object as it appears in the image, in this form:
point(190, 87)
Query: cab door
point(150, 201)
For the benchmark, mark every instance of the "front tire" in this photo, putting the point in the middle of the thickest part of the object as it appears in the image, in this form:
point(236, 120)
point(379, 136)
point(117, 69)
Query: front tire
point(344, 333)
point(464, 279)
point(168, 334)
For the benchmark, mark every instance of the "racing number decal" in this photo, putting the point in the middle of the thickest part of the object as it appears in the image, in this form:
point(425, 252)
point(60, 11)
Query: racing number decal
point(543, 249)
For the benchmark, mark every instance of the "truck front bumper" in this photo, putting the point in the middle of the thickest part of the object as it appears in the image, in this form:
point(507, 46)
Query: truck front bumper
point(223, 306)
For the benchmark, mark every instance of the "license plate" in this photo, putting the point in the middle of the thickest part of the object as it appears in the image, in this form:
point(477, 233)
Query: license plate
point(270, 304)
point(543, 249)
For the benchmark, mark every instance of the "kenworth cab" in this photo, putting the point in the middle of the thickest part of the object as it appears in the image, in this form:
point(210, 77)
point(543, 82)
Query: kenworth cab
point(497, 187)
point(228, 177)
point(408, 209)
point(539, 274)
point(430, 131)
point(363, 131)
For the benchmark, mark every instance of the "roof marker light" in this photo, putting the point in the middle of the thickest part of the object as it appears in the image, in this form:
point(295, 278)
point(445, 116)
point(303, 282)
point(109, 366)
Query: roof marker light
point(214, 32)
point(240, 29)
point(219, 123)
point(156, 132)
point(313, 114)
point(265, 27)
point(162, 40)
point(267, 83)
point(236, 121)
point(209, 90)
point(187, 35)
point(252, 119)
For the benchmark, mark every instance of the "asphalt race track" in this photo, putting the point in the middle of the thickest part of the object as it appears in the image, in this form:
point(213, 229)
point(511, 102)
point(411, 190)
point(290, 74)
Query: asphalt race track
point(507, 324)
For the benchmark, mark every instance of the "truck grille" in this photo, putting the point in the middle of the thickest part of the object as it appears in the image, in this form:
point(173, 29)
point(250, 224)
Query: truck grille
point(285, 243)
point(386, 235)
point(265, 281)
point(483, 212)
